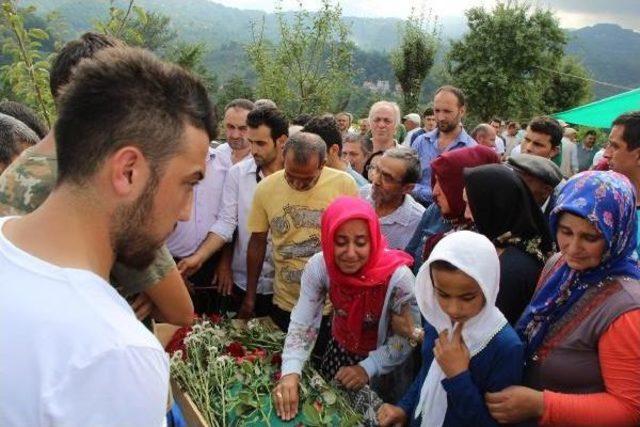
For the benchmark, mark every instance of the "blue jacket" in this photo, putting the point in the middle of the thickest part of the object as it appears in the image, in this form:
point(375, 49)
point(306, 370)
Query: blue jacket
point(430, 224)
point(497, 366)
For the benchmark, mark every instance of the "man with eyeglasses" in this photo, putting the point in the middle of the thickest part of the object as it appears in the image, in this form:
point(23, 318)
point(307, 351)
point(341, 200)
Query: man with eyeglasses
point(393, 176)
point(288, 204)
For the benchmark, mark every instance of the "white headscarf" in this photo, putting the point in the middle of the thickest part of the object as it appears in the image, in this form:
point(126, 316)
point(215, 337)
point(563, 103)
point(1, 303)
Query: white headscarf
point(476, 256)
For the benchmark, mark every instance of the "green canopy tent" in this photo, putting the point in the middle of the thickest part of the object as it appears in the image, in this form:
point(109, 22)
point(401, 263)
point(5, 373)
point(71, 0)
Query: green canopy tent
point(601, 113)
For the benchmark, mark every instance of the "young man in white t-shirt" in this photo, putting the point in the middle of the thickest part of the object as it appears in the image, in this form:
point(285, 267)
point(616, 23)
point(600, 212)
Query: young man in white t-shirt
point(132, 135)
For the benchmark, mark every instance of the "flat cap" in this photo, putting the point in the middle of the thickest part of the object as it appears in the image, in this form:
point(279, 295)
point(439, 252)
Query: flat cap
point(415, 118)
point(540, 167)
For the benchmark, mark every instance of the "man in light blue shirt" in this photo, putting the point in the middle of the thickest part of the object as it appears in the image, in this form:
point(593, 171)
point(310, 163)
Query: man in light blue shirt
point(448, 108)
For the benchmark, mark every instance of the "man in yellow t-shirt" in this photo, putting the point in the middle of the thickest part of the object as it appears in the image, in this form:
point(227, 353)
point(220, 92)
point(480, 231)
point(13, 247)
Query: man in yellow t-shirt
point(289, 204)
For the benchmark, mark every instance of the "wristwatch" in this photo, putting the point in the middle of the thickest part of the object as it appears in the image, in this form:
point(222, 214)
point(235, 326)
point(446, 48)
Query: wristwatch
point(417, 335)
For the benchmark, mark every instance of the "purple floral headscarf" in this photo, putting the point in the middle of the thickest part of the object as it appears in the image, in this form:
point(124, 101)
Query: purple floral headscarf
point(607, 200)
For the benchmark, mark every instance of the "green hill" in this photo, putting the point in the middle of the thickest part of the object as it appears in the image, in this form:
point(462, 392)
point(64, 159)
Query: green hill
point(610, 53)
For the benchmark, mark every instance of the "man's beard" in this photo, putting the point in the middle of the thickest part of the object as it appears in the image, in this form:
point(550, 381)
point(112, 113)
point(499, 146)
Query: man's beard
point(239, 144)
point(380, 196)
point(447, 127)
point(130, 238)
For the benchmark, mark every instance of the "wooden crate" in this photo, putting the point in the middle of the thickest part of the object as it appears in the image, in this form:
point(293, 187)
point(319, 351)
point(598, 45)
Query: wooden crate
point(192, 415)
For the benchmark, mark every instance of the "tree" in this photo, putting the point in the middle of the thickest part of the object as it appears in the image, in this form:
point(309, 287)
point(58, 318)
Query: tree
point(233, 88)
point(413, 59)
point(138, 27)
point(497, 63)
point(191, 57)
point(569, 86)
point(28, 73)
point(308, 67)
point(152, 30)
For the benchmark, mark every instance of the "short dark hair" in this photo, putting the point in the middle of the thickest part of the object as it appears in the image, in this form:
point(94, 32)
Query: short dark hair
point(240, 103)
point(326, 127)
point(126, 96)
point(496, 119)
point(427, 112)
point(590, 132)
point(272, 118)
point(548, 126)
point(301, 119)
point(14, 137)
point(454, 90)
point(72, 53)
point(26, 115)
point(631, 132)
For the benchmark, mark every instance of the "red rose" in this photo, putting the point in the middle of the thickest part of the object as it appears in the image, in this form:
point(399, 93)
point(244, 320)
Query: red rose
point(236, 349)
point(277, 375)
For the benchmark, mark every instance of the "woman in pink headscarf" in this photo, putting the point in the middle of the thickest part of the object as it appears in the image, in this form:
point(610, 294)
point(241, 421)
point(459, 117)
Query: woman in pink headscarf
point(365, 282)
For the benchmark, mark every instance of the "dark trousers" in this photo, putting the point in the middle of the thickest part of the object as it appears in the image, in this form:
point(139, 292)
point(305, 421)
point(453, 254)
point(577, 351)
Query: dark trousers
point(262, 307)
point(205, 298)
point(282, 318)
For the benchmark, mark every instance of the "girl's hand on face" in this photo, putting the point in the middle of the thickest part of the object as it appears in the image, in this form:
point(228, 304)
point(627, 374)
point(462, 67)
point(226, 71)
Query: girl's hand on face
point(515, 404)
point(352, 377)
point(452, 356)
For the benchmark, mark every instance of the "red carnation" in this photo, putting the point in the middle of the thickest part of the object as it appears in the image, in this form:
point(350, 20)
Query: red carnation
point(236, 349)
point(177, 341)
point(215, 318)
point(276, 359)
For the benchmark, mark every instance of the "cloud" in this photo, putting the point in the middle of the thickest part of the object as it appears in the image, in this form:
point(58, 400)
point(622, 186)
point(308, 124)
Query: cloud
point(572, 13)
point(593, 7)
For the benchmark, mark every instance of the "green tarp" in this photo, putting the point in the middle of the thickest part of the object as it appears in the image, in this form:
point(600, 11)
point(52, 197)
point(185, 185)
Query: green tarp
point(601, 113)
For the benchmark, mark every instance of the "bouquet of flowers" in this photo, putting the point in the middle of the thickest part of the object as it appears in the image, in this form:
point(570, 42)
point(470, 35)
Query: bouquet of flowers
point(230, 368)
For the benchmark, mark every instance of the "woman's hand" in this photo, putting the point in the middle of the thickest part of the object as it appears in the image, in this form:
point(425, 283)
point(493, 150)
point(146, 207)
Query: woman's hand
point(285, 396)
point(352, 377)
point(391, 416)
point(402, 324)
point(515, 404)
point(452, 356)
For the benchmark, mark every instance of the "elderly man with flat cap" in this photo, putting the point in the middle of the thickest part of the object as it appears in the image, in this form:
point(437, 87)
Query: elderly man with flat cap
point(540, 174)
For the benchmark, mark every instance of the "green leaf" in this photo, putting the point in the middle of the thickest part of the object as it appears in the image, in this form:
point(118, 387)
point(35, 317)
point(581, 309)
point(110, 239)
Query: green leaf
point(39, 34)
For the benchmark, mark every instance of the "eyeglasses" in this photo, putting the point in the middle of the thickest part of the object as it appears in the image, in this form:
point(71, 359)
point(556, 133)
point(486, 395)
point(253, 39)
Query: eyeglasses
point(384, 176)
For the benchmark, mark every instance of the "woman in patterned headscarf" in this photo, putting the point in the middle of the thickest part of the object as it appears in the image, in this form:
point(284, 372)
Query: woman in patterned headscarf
point(582, 328)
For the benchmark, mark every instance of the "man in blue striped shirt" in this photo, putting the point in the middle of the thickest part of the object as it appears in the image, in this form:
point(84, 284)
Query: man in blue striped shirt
point(448, 108)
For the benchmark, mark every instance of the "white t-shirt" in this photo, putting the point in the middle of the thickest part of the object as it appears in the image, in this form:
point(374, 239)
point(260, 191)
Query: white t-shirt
point(72, 352)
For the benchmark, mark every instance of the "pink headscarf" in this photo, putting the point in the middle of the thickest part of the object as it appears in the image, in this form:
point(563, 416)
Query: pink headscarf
point(363, 293)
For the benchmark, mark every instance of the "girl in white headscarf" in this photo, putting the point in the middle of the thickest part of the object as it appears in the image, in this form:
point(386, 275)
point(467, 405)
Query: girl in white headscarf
point(469, 348)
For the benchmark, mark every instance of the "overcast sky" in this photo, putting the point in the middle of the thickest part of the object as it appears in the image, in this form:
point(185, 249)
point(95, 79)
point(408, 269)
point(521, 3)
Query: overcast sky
point(572, 13)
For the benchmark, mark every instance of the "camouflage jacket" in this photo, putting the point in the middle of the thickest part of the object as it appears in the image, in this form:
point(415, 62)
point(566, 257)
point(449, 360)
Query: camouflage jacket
point(26, 183)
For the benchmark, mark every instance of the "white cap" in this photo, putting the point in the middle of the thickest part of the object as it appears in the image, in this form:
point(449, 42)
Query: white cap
point(415, 118)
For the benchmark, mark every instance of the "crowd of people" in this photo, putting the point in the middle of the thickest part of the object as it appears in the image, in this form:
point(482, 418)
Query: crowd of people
point(465, 279)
